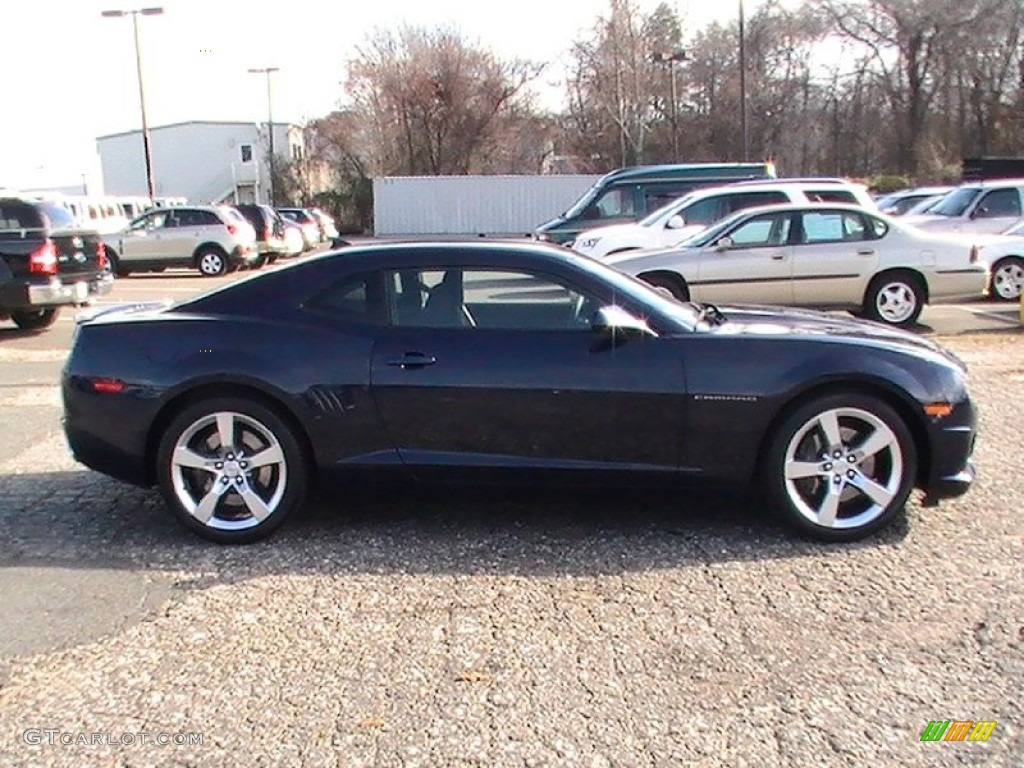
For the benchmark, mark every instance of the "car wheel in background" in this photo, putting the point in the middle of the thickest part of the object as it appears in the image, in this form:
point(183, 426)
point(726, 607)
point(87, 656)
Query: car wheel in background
point(34, 319)
point(115, 263)
point(1007, 279)
point(231, 469)
point(894, 298)
point(668, 282)
point(211, 262)
point(840, 467)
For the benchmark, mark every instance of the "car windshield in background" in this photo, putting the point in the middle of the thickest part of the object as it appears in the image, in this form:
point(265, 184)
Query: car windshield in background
point(59, 216)
point(956, 202)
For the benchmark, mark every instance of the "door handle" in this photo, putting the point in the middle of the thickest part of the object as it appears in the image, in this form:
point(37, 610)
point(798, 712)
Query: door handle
point(779, 255)
point(412, 360)
point(866, 252)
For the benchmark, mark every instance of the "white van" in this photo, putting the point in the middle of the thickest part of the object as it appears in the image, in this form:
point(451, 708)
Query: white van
point(685, 217)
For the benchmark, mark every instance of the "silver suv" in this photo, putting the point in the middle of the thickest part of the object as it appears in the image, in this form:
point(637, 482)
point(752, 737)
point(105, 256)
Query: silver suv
point(212, 239)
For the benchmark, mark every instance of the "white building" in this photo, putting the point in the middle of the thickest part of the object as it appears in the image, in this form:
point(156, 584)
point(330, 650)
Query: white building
point(203, 161)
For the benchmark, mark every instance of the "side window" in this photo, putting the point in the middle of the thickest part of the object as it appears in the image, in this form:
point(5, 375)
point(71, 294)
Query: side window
point(659, 195)
point(877, 227)
point(752, 200)
point(486, 299)
point(356, 298)
point(615, 203)
point(998, 202)
point(704, 212)
point(835, 226)
point(154, 221)
point(16, 215)
point(761, 231)
point(831, 196)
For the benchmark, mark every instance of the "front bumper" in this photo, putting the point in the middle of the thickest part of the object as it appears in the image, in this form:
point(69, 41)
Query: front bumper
point(952, 472)
point(54, 292)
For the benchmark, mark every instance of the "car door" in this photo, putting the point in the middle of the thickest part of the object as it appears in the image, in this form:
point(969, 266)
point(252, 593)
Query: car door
point(995, 210)
point(836, 251)
point(750, 263)
point(141, 241)
point(186, 229)
point(498, 367)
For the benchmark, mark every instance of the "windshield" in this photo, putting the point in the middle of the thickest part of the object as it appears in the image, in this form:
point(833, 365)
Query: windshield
point(59, 216)
point(675, 205)
point(686, 314)
point(956, 202)
point(580, 205)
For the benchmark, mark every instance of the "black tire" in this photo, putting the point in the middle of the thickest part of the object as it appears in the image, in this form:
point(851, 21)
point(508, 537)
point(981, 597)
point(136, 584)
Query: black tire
point(34, 319)
point(260, 262)
point(232, 521)
point(1006, 279)
point(272, 258)
point(212, 262)
point(895, 298)
point(800, 435)
point(673, 285)
point(115, 264)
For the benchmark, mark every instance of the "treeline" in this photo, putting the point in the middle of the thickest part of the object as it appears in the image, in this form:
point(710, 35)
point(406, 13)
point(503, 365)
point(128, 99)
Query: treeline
point(834, 87)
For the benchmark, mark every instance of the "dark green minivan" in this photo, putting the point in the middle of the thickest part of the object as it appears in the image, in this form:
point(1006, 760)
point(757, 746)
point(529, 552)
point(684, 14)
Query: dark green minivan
point(629, 194)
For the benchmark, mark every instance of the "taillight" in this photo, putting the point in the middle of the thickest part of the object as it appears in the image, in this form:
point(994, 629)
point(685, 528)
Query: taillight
point(107, 386)
point(43, 260)
point(101, 256)
point(232, 229)
point(974, 254)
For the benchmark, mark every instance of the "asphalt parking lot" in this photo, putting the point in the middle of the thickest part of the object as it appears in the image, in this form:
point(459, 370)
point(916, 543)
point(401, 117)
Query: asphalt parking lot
point(409, 627)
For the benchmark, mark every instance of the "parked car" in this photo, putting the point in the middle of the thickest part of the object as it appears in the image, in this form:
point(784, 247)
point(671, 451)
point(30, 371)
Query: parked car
point(311, 234)
point(211, 239)
point(815, 255)
point(628, 194)
point(989, 206)
point(683, 218)
point(46, 262)
point(269, 228)
point(294, 241)
point(328, 229)
point(1004, 255)
point(899, 203)
point(497, 361)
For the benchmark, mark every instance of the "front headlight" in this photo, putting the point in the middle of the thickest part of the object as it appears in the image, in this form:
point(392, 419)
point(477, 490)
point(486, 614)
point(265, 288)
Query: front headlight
point(543, 237)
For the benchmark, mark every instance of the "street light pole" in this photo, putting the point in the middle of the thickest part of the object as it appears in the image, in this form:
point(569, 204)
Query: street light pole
point(270, 127)
point(743, 84)
point(146, 147)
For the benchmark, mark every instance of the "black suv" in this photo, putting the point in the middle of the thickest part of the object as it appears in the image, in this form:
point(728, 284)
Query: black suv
point(46, 262)
point(267, 222)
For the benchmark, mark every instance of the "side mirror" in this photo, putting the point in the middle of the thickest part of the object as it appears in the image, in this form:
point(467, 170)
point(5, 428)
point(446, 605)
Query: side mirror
point(724, 244)
point(676, 222)
point(615, 323)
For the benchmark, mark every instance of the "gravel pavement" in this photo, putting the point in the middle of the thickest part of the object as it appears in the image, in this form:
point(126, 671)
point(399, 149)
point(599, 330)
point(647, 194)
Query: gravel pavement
point(419, 628)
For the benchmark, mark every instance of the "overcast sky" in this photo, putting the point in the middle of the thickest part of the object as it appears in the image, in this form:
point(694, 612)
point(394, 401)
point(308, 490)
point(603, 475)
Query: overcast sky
point(70, 74)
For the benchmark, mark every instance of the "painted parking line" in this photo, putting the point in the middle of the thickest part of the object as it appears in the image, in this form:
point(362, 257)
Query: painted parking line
point(1010, 316)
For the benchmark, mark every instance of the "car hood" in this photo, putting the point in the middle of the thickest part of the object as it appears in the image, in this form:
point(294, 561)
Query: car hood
point(611, 230)
point(779, 321)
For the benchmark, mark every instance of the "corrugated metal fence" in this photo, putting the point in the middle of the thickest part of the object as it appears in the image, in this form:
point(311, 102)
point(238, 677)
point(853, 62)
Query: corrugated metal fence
point(471, 205)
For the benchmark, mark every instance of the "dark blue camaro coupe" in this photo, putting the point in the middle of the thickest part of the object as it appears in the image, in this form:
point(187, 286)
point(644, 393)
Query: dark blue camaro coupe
point(491, 360)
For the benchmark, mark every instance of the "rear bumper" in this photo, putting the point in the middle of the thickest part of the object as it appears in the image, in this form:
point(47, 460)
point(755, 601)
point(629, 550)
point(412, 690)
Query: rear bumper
point(244, 255)
point(30, 293)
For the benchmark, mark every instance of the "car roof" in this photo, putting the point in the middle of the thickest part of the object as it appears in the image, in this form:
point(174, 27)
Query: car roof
point(992, 183)
point(669, 171)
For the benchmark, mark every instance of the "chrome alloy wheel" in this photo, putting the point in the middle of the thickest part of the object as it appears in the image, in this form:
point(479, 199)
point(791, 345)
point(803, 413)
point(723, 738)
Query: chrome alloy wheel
point(896, 302)
point(211, 263)
point(1008, 279)
point(228, 471)
point(843, 468)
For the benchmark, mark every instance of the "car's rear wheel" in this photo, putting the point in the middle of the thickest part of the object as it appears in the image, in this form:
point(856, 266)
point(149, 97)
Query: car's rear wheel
point(34, 319)
point(895, 298)
point(1007, 278)
point(840, 467)
point(211, 262)
point(231, 469)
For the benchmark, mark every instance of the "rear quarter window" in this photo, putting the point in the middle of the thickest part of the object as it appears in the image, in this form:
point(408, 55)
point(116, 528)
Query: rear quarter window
point(17, 215)
point(831, 196)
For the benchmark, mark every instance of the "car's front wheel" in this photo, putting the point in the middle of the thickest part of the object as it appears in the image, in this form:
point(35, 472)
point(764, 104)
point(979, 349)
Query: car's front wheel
point(1007, 278)
point(231, 469)
point(211, 262)
point(840, 467)
point(895, 298)
point(34, 319)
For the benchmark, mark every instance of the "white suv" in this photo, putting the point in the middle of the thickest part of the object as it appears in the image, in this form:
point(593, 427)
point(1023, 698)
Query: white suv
point(685, 217)
point(212, 239)
point(988, 206)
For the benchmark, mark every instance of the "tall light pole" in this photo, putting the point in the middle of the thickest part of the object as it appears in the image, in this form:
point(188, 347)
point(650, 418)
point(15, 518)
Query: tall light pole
point(146, 148)
point(743, 84)
point(270, 126)
point(670, 60)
